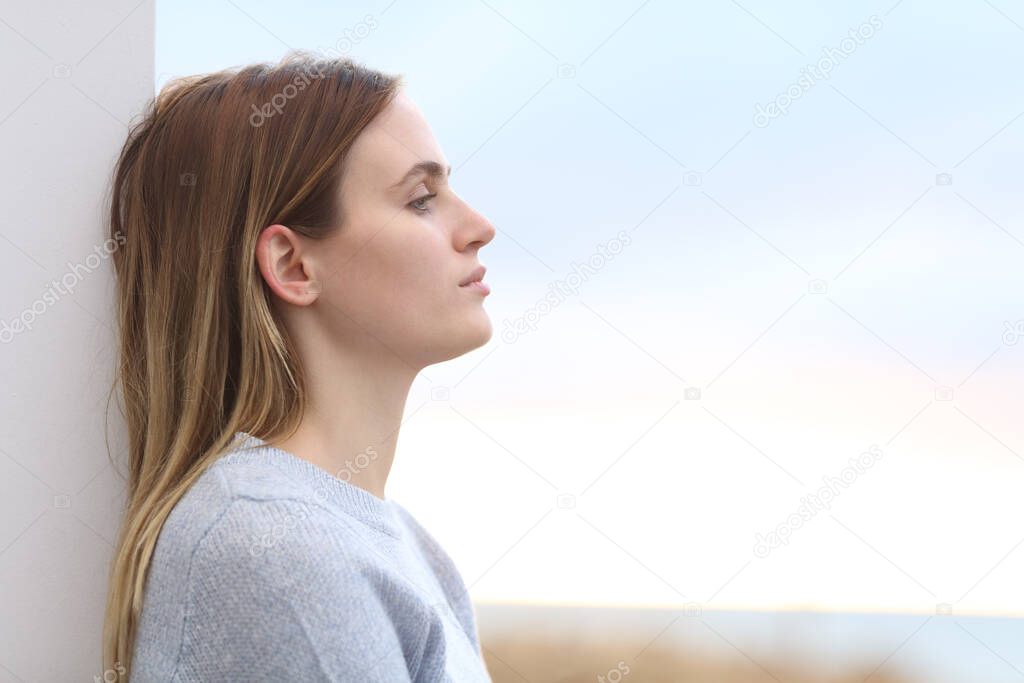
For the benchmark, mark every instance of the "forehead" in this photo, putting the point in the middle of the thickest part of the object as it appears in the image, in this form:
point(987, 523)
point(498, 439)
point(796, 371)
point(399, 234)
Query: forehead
point(396, 139)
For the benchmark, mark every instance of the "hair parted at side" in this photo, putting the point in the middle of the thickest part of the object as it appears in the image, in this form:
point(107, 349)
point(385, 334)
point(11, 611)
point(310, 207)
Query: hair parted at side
point(215, 159)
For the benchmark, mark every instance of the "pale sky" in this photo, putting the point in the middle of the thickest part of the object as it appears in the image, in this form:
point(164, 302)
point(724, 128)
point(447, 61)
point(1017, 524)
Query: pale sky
point(845, 276)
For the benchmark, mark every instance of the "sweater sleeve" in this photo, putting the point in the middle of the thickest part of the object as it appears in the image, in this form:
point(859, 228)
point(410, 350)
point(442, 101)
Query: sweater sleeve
point(448, 575)
point(271, 598)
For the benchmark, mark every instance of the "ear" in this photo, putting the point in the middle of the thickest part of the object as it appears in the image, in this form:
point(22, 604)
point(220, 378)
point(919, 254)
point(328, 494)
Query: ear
point(286, 266)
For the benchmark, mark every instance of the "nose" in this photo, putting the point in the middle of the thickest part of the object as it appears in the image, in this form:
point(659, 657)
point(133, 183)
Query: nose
point(475, 230)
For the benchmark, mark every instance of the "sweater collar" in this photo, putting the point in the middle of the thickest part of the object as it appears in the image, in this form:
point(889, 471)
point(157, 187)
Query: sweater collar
point(379, 513)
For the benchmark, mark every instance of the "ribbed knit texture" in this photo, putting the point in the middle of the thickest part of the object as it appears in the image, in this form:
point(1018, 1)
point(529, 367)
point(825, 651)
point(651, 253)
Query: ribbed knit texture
point(270, 568)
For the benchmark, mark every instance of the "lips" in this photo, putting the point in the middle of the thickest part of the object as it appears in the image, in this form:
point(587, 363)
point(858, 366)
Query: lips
point(476, 276)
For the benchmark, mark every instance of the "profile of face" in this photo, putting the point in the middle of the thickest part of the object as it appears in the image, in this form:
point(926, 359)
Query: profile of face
point(390, 278)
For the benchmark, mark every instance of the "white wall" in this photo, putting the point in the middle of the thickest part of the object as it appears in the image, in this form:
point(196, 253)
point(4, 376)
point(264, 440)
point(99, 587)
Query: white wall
point(73, 74)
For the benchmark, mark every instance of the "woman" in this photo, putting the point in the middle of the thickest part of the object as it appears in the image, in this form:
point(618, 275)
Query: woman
point(292, 255)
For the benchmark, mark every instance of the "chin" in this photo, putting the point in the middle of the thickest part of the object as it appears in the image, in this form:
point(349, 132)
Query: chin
point(470, 335)
point(485, 333)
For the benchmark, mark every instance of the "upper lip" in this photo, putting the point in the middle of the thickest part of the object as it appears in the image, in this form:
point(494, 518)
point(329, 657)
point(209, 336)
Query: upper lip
point(476, 275)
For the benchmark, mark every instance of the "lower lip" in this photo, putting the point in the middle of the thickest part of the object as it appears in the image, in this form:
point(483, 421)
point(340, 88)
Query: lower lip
point(479, 286)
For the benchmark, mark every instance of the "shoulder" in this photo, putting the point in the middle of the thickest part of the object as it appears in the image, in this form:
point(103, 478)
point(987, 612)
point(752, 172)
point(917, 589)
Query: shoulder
point(252, 575)
point(287, 589)
point(439, 559)
point(259, 476)
point(250, 501)
point(299, 554)
point(221, 484)
point(264, 534)
point(445, 570)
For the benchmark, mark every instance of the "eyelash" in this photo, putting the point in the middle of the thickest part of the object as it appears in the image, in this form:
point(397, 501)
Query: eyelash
point(424, 198)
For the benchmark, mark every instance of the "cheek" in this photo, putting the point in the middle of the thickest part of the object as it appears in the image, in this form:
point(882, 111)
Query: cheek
point(416, 259)
point(402, 272)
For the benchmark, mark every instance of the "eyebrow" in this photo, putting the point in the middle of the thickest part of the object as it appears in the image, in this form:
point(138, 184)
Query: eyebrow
point(430, 168)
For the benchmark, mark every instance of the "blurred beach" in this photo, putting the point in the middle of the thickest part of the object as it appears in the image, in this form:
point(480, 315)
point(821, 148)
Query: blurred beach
point(563, 644)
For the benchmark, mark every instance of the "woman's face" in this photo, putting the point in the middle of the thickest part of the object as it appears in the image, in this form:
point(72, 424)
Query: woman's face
point(391, 274)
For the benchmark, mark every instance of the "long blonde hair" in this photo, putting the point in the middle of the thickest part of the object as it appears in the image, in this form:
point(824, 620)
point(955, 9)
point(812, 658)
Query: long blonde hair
point(214, 160)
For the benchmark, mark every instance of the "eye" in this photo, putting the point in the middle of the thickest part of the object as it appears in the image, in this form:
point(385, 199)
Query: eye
point(418, 204)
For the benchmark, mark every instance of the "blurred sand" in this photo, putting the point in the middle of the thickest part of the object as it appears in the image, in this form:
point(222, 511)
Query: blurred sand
point(567, 660)
point(553, 644)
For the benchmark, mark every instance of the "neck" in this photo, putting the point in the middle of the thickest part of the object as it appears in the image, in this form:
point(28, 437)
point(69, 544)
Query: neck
point(353, 415)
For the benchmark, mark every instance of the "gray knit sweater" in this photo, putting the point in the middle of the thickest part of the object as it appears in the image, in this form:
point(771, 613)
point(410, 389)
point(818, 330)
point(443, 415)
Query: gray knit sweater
point(271, 568)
